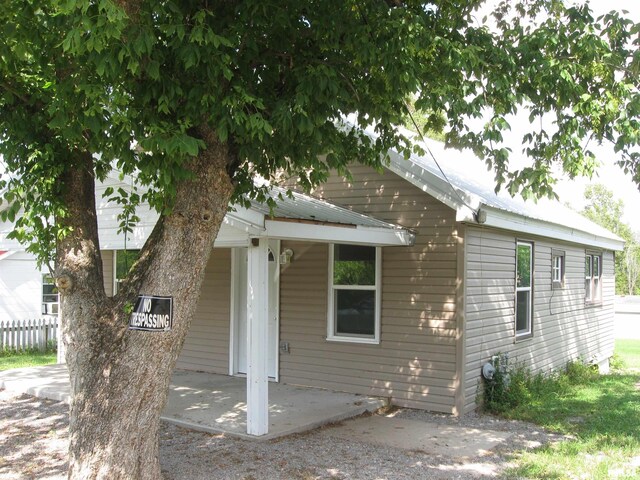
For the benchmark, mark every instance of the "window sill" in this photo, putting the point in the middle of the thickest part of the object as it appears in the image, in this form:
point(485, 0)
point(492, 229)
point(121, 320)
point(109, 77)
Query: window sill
point(520, 337)
point(593, 304)
point(366, 341)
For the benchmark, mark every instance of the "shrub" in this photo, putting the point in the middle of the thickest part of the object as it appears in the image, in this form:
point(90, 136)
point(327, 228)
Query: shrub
point(578, 372)
point(514, 385)
point(509, 386)
point(617, 363)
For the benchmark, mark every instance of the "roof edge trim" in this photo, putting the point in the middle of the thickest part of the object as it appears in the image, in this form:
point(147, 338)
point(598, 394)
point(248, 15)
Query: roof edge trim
point(429, 183)
point(526, 225)
point(361, 235)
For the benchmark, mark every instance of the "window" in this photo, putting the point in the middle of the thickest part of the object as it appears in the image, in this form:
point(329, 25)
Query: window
point(123, 260)
point(557, 269)
point(354, 294)
point(593, 277)
point(50, 300)
point(524, 290)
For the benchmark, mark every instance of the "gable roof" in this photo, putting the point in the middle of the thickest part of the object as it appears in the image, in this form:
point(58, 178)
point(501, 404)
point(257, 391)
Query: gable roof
point(466, 185)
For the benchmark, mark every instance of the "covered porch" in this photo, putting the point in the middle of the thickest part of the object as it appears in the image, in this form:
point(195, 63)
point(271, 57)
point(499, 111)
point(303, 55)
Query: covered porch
point(215, 403)
point(257, 259)
point(252, 241)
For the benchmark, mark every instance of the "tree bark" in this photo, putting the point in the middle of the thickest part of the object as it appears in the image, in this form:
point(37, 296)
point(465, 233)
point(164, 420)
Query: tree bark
point(120, 377)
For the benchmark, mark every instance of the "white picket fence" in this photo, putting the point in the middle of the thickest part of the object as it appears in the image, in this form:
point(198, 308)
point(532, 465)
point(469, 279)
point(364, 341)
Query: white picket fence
point(26, 334)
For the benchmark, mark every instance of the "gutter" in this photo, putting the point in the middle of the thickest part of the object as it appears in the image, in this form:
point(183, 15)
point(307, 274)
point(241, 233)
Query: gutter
point(492, 217)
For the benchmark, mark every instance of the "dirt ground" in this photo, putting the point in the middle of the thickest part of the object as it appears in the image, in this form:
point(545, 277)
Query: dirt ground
point(34, 434)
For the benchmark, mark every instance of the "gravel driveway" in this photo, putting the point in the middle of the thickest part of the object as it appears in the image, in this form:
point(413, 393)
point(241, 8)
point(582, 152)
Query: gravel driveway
point(34, 432)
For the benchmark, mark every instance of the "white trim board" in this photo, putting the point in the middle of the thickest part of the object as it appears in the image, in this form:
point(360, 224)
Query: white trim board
point(517, 223)
point(376, 236)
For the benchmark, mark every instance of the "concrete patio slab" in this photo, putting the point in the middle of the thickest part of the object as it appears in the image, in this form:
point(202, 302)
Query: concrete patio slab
point(215, 403)
point(195, 402)
point(430, 438)
point(50, 381)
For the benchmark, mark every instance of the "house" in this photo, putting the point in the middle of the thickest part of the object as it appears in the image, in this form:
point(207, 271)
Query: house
point(399, 285)
point(26, 291)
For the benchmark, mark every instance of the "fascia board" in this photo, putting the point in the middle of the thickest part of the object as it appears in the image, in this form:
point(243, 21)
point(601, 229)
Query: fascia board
point(245, 220)
point(228, 242)
point(526, 225)
point(433, 185)
point(329, 233)
point(425, 180)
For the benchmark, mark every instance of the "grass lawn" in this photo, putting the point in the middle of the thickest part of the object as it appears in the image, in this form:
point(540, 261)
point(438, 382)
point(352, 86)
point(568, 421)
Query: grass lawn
point(29, 358)
point(602, 413)
point(629, 351)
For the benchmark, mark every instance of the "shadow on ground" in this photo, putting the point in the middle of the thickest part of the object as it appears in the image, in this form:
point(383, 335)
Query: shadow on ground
point(33, 434)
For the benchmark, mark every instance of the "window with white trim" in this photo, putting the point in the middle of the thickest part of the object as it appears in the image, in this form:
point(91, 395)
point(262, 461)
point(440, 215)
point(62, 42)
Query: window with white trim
point(354, 293)
point(50, 298)
point(593, 277)
point(524, 288)
point(122, 260)
point(557, 269)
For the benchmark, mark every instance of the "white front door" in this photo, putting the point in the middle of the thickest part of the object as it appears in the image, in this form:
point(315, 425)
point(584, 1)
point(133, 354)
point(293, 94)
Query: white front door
point(240, 307)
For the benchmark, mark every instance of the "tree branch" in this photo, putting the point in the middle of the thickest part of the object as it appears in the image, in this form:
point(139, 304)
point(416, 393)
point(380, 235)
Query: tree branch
point(13, 91)
point(78, 255)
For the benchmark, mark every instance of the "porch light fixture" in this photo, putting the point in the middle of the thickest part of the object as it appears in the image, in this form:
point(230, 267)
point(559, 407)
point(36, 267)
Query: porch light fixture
point(286, 256)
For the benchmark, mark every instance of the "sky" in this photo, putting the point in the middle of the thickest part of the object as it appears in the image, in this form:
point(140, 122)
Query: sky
point(609, 174)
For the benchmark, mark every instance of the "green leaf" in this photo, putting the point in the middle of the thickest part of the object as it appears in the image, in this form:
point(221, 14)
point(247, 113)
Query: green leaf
point(153, 69)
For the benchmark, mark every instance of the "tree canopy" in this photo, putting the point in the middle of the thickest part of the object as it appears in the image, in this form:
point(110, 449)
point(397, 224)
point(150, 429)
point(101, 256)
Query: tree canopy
point(606, 210)
point(134, 82)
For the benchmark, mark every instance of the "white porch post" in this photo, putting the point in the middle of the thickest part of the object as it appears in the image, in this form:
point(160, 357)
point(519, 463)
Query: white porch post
point(257, 337)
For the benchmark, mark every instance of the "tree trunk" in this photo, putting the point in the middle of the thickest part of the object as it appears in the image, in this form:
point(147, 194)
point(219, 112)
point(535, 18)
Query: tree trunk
point(120, 377)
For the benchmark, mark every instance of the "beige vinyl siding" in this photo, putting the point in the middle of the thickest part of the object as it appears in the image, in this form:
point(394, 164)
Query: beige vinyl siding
point(206, 347)
point(564, 327)
point(415, 362)
point(107, 271)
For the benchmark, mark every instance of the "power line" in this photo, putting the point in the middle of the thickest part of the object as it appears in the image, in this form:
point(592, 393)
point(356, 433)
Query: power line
point(455, 191)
